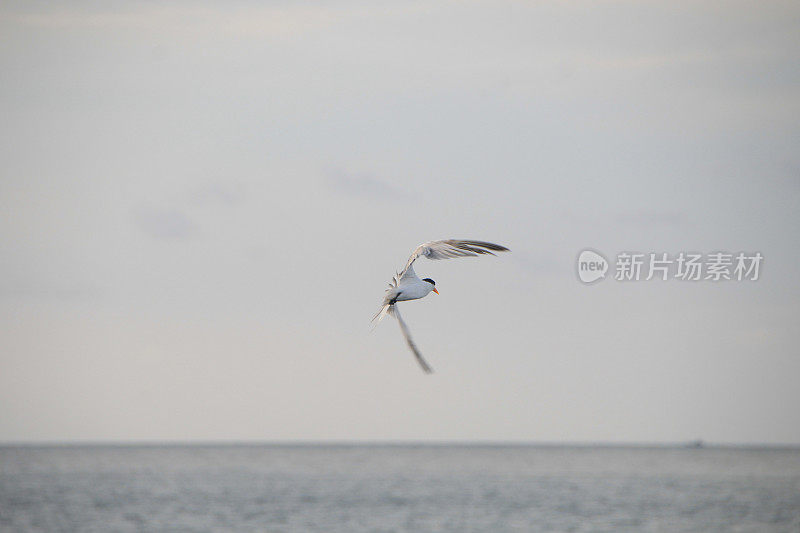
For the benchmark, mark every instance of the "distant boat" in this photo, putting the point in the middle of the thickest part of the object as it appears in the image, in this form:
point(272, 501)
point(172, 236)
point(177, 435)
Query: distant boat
point(694, 444)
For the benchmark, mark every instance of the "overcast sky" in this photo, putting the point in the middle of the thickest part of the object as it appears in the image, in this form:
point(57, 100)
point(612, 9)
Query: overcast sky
point(202, 204)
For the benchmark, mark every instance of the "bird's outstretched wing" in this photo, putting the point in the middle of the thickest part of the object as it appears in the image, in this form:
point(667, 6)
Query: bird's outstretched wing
point(407, 335)
point(450, 248)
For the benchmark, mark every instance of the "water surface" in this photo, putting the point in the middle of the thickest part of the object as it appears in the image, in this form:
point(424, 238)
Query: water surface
point(299, 488)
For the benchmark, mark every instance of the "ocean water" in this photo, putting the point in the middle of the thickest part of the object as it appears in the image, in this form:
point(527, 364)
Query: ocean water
point(382, 488)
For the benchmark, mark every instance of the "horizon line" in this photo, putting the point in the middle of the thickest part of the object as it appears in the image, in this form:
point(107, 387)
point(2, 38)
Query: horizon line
point(685, 444)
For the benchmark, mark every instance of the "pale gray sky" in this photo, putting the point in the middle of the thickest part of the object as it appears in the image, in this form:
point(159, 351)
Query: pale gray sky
point(202, 204)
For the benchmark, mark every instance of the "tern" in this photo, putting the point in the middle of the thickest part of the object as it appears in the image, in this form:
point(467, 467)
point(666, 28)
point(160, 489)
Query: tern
point(406, 285)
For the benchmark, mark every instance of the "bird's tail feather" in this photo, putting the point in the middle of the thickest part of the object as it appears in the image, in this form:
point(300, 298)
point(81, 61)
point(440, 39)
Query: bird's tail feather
point(382, 312)
point(407, 335)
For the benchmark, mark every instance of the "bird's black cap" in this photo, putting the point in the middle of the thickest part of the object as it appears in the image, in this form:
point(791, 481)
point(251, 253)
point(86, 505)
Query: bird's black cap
point(429, 280)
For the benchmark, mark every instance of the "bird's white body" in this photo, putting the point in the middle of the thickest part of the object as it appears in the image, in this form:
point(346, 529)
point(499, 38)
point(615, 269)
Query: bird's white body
point(409, 287)
point(406, 285)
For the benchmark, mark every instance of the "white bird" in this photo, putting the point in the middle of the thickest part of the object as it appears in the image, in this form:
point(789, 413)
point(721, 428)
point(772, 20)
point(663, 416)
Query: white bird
point(407, 286)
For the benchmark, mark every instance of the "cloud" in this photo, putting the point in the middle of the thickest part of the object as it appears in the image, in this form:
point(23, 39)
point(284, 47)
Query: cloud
point(649, 218)
point(364, 185)
point(533, 262)
point(47, 289)
point(285, 21)
point(164, 223)
point(218, 193)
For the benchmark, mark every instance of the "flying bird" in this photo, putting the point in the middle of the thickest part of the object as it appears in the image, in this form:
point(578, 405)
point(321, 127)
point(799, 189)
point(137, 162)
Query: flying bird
point(406, 285)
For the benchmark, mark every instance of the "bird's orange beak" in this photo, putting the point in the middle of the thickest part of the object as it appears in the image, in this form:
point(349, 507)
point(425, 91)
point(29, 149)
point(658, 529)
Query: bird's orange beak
point(434, 290)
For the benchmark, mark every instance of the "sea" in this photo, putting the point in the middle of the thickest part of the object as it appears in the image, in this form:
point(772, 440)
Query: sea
point(398, 488)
